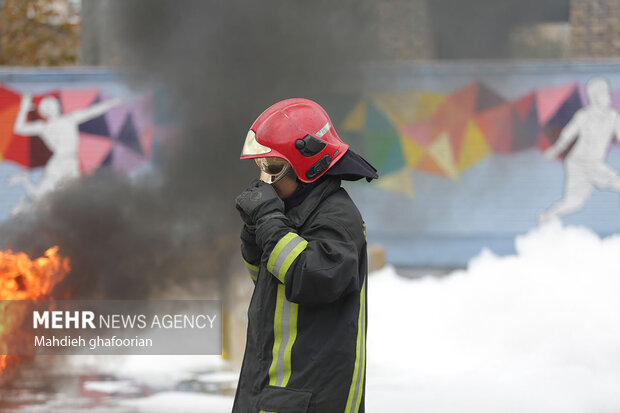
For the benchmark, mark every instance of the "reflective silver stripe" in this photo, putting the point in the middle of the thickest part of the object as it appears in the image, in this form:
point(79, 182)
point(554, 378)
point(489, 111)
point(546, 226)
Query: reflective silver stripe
point(286, 313)
point(252, 269)
point(284, 254)
point(288, 248)
point(284, 335)
point(323, 130)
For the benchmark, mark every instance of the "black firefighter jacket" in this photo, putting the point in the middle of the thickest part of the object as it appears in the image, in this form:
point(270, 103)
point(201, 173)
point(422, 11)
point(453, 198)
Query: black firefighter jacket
point(306, 338)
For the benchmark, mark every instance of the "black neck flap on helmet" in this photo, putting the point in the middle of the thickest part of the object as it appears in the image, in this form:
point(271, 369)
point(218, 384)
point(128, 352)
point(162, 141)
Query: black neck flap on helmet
point(352, 167)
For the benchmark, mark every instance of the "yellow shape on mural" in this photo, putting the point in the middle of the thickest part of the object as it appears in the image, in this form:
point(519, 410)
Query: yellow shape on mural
point(474, 147)
point(413, 152)
point(400, 108)
point(427, 105)
point(356, 119)
point(441, 151)
point(399, 182)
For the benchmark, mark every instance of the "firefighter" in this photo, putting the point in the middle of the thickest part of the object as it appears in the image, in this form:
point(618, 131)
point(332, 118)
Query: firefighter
point(304, 244)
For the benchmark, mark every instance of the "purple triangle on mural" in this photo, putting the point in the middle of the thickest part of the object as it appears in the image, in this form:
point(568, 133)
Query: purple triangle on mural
point(126, 159)
point(128, 135)
point(487, 98)
point(96, 126)
point(566, 111)
point(116, 118)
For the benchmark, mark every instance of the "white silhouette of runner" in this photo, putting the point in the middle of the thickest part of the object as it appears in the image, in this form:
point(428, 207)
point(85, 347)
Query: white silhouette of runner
point(594, 127)
point(61, 135)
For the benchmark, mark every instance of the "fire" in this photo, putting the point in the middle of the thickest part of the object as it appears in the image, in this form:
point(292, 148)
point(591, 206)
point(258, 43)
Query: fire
point(24, 279)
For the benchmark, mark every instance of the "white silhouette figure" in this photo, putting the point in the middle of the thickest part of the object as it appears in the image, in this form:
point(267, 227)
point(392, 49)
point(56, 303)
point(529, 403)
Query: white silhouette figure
point(61, 135)
point(594, 127)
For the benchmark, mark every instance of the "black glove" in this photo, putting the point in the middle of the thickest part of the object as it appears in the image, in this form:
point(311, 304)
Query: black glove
point(244, 217)
point(258, 201)
point(249, 249)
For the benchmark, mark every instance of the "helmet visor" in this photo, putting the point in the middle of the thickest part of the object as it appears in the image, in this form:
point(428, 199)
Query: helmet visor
point(252, 147)
point(272, 169)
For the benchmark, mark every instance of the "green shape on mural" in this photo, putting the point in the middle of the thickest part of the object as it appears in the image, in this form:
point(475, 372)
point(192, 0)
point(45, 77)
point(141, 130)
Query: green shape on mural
point(382, 142)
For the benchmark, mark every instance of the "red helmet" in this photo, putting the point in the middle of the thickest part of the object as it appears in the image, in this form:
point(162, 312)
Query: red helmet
point(298, 131)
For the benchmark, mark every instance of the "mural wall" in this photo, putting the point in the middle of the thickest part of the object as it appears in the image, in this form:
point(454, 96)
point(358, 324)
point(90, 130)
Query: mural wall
point(470, 155)
point(473, 155)
point(58, 126)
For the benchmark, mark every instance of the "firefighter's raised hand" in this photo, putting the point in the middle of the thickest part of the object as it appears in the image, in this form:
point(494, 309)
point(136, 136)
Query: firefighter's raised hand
point(258, 201)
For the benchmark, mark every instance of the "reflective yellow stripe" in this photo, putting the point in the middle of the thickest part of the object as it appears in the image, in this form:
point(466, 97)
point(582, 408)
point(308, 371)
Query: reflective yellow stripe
point(252, 269)
point(289, 346)
point(357, 381)
point(363, 375)
point(278, 248)
point(284, 254)
point(284, 335)
point(277, 334)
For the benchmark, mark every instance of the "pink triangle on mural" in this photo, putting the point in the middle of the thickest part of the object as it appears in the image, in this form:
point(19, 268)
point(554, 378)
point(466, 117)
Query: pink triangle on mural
point(146, 142)
point(126, 159)
point(77, 99)
point(550, 99)
point(93, 150)
point(420, 132)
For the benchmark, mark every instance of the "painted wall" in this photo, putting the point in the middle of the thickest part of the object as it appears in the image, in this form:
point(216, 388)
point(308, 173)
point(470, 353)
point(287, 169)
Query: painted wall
point(57, 125)
point(462, 149)
point(464, 159)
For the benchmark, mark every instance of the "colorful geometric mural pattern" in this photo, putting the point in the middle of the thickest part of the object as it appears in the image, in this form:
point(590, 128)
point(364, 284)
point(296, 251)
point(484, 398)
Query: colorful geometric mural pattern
point(121, 139)
point(446, 135)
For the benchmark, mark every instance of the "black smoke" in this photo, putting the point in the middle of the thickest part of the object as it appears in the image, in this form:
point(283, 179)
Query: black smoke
point(221, 63)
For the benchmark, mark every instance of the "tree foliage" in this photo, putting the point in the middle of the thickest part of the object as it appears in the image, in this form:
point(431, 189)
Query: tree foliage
point(38, 33)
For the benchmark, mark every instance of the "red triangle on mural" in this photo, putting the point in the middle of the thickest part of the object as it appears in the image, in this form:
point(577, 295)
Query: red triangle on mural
point(465, 98)
point(549, 100)
point(523, 105)
point(496, 127)
point(420, 132)
point(77, 99)
point(27, 151)
point(449, 115)
point(7, 123)
point(18, 150)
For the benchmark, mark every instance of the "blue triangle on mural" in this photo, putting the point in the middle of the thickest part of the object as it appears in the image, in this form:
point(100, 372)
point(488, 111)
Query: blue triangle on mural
point(128, 135)
point(96, 126)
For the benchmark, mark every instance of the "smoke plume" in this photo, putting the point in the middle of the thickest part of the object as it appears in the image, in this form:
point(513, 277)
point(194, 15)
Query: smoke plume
point(221, 63)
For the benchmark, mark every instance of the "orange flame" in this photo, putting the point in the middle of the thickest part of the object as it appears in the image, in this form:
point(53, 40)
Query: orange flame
point(24, 279)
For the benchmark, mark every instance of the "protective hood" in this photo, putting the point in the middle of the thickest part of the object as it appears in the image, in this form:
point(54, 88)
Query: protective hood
point(352, 167)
